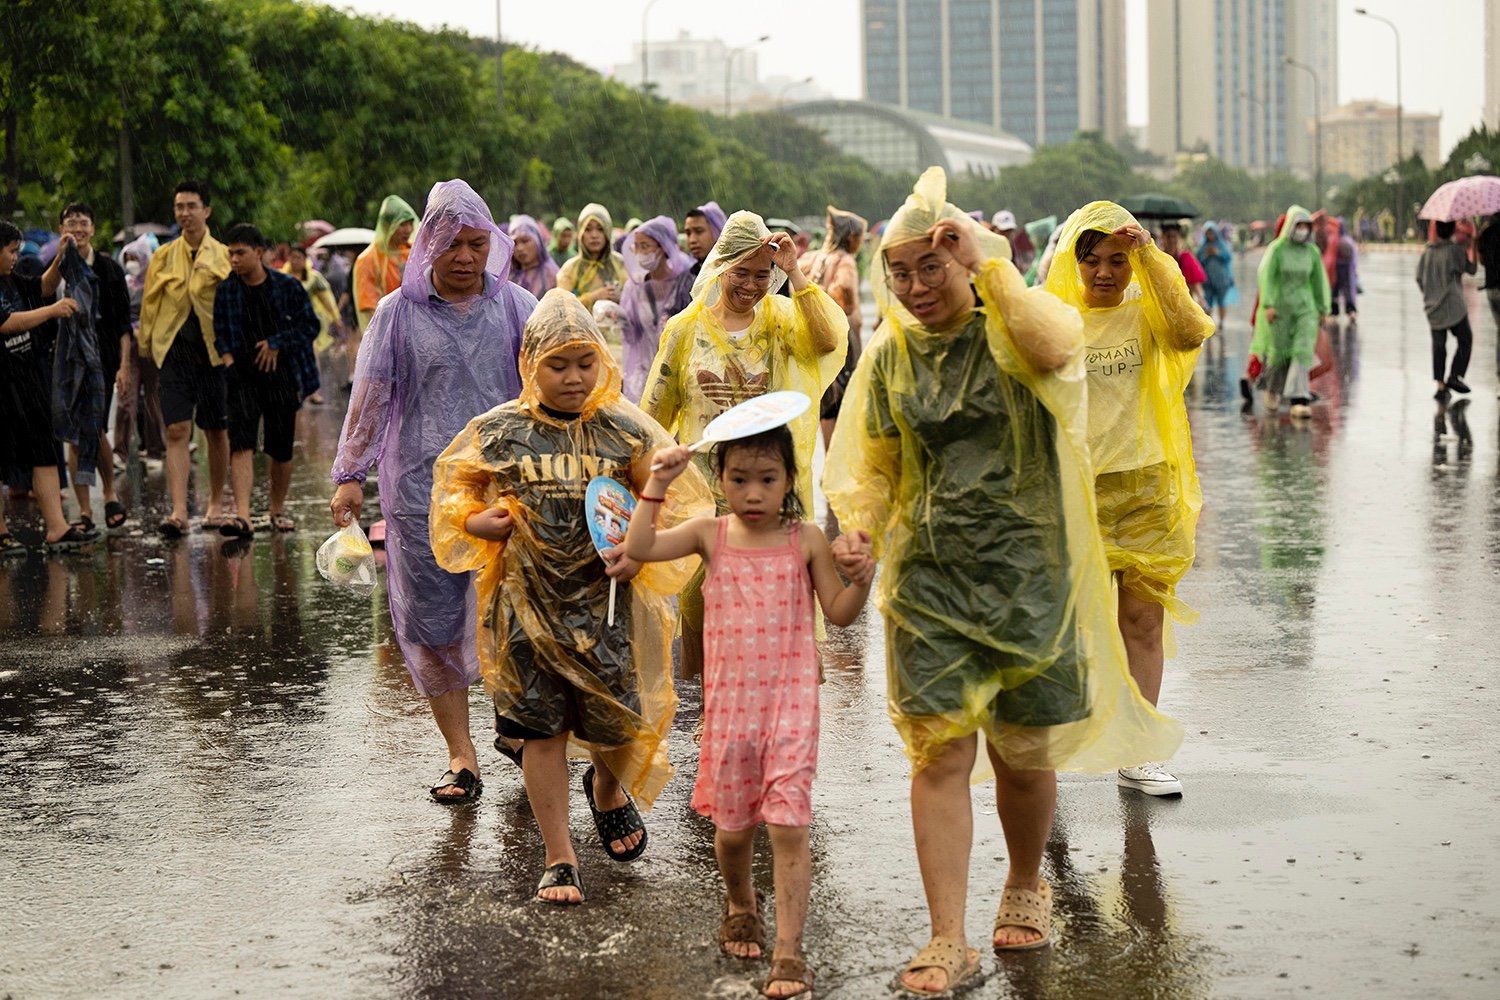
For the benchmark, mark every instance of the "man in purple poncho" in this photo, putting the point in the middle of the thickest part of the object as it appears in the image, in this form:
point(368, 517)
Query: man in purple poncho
point(658, 274)
point(441, 349)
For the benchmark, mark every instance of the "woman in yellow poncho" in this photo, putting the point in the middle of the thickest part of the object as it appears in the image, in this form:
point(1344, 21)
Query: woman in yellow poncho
point(962, 453)
point(508, 501)
point(330, 326)
point(1143, 330)
point(596, 272)
point(737, 341)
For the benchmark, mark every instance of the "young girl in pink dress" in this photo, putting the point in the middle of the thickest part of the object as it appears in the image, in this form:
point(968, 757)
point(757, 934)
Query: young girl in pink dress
point(760, 678)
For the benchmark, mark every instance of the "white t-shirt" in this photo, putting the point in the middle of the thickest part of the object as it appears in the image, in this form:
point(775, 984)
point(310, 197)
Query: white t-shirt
point(1123, 433)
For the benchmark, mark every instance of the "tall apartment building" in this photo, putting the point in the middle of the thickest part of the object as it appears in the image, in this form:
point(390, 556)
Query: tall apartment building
point(1218, 78)
point(1041, 70)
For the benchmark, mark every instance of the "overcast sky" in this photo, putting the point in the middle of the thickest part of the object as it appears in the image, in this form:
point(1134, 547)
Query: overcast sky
point(1442, 42)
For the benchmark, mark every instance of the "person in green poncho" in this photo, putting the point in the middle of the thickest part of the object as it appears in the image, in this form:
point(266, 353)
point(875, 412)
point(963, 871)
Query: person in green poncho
point(1294, 299)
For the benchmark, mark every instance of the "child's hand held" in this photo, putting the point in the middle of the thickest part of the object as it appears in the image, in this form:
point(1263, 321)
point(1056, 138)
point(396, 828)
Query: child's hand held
point(493, 524)
point(619, 566)
point(669, 463)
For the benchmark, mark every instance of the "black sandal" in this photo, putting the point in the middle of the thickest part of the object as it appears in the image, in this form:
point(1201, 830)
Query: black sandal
point(616, 824)
point(466, 780)
point(514, 756)
point(75, 538)
point(236, 527)
point(10, 547)
point(114, 515)
point(171, 527)
point(560, 874)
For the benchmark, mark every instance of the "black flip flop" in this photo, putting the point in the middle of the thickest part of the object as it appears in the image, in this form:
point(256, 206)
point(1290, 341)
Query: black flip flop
point(235, 526)
point(466, 780)
point(514, 756)
point(560, 874)
point(170, 527)
point(114, 515)
point(74, 538)
point(616, 824)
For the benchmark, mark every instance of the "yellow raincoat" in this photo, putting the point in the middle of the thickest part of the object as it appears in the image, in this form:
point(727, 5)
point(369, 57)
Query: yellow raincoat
point(544, 646)
point(585, 276)
point(701, 369)
point(179, 281)
point(1141, 354)
point(971, 473)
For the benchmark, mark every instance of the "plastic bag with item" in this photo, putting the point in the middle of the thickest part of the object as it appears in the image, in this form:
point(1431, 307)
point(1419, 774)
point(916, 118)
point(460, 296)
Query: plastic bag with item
point(346, 559)
point(971, 473)
point(542, 594)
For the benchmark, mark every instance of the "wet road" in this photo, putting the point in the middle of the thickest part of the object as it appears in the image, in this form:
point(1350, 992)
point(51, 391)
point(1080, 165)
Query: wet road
point(216, 769)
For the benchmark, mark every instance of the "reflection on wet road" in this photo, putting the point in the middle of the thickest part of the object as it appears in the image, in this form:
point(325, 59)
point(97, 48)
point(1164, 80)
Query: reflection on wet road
point(216, 769)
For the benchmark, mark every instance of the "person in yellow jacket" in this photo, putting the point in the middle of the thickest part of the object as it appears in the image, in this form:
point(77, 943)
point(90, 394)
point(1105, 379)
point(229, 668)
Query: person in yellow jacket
point(508, 502)
point(738, 340)
point(596, 272)
point(1143, 331)
point(177, 335)
point(962, 455)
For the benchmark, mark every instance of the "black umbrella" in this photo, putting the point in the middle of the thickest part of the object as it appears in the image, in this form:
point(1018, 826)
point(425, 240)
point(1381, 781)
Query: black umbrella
point(1159, 206)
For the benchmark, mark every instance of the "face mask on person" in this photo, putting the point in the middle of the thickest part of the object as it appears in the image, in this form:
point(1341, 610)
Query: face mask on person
point(649, 260)
point(133, 268)
point(1301, 234)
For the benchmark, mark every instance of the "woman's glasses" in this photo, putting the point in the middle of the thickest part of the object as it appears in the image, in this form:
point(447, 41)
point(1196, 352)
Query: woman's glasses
point(932, 275)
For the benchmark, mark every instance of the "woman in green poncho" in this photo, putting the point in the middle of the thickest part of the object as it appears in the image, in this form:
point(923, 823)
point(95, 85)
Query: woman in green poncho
point(378, 268)
point(963, 459)
point(1293, 301)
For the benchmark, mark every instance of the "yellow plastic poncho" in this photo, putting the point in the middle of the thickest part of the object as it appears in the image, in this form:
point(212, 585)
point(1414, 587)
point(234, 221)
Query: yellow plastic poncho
point(701, 369)
point(1141, 355)
point(180, 281)
point(542, 594)
point(971, 473)
point(585, 276)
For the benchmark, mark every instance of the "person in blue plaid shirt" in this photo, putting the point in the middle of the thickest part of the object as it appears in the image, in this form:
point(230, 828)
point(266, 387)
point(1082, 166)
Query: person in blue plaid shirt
point(264, 326)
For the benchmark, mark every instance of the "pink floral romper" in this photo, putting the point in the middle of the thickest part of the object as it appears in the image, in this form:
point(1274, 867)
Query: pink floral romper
point(760, 687)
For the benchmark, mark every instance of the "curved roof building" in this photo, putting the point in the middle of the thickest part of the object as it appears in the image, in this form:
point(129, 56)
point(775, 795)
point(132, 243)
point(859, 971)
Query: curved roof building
point(899, 141)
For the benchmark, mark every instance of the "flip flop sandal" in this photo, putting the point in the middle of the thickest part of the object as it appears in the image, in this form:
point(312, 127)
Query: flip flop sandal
point(560, 874)
point(10, 547)
point(234, 527)
point(789, 970)
point(114, 515)
point(171, 527)
point(744, 928)
point(85, 524)
point(952, 956)
point(1028, 910)
point(466, 780)
point(73, 539)
point(616, 824)
point(514, 756)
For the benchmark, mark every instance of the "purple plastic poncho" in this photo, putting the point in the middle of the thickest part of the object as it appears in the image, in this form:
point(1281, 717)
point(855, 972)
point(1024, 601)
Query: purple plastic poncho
point(715, 216)
point(541, 277)
point(425, 369)
point(649, 302)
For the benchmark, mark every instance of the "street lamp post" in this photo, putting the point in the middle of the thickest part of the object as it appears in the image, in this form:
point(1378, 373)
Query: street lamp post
point(645, 74)
point(781, 97)
point(1400, 143)
point(1317, 129)
point(729, 65)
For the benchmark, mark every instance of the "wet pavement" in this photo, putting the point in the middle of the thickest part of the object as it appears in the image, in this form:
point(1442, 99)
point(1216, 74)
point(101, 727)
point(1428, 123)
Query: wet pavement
point(216, 769)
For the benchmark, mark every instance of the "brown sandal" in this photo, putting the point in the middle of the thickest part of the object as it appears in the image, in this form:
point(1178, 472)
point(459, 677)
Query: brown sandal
point(953, 956)
point(1029, 910)
point(743, 928)
point(789, 970)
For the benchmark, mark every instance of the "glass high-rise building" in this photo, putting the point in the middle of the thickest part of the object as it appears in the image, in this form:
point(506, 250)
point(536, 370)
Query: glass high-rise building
point(1041, 70)
point(1219, 79)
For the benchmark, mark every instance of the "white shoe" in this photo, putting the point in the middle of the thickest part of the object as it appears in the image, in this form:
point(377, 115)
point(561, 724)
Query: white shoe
point(1301, 411)
point(1152, 779)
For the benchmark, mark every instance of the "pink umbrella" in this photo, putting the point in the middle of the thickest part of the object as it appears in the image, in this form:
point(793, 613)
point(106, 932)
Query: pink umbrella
point(1463, 199)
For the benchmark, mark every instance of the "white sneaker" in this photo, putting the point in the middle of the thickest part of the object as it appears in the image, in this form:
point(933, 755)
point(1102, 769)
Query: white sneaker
point(1152, 779)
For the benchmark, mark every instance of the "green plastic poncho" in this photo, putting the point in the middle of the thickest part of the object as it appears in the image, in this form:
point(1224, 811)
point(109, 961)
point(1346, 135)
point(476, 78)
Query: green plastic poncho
point(379, 266)
point(971, 472)
point(1292, 281)
point(554, 246)
point(542, 594)
point(588, 277)
point(1140, 357)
